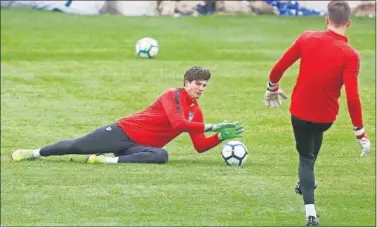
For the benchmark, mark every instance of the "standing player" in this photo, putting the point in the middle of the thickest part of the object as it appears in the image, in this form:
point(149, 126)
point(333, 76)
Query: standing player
point(139, 138)
point(327, 62)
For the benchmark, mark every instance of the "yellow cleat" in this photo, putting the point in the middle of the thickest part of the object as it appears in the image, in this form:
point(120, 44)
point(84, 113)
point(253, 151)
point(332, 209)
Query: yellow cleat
point(95, 159)
point(22, 154)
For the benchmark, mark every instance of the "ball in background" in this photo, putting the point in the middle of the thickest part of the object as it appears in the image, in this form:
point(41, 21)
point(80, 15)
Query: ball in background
point(147, 48)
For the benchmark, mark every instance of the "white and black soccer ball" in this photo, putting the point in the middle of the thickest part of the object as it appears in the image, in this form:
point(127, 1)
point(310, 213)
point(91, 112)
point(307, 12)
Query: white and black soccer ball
point(147, 48)
point(234, 153)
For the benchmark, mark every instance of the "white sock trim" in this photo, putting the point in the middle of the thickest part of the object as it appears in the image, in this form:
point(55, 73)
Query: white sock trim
point(359, 132)
point(273, 84)
point(310, 210)
point(36, 153)
point(111, 160)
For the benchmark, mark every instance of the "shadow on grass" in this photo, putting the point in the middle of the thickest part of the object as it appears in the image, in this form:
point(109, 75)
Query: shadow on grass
point(174, 162)
point(83, 158)
point(193, 162)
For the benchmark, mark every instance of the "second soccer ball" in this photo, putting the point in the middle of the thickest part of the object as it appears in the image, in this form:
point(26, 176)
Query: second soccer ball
point(147, 48)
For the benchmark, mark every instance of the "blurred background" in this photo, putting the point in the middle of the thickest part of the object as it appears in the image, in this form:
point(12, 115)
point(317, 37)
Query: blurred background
point(191, 8)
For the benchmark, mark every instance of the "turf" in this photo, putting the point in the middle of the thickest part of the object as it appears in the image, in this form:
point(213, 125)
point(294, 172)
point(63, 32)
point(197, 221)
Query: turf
point(65, 75)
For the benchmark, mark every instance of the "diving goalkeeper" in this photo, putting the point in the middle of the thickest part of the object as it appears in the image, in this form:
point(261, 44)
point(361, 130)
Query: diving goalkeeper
point(140, 138)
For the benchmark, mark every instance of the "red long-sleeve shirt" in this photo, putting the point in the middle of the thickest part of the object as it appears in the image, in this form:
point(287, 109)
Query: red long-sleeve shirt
point(171, 114)
point(327, 62)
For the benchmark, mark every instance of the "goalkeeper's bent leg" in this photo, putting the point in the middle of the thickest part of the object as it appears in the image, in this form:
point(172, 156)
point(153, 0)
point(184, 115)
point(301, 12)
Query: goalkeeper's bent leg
point(142, 154)
point(107, 139)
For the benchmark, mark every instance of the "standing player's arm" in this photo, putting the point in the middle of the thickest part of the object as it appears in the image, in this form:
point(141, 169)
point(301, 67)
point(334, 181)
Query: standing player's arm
point(350, 75)
point(289, 57)
point(172, 105)
point(350, 81)
point(199, 140)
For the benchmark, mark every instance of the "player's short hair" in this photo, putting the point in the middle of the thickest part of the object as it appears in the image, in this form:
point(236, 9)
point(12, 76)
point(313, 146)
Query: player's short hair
point(196, 73)
point(339, 12)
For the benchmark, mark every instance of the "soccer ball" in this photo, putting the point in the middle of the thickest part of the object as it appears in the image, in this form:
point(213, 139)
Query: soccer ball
point(147, 48)
point(234, 153)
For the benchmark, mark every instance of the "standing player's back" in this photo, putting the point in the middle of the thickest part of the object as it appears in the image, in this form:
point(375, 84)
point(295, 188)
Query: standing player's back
point(324, 56)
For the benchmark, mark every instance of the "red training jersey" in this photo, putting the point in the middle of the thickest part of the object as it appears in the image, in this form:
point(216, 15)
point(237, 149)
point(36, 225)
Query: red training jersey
point(171, 114)
point(327, 62)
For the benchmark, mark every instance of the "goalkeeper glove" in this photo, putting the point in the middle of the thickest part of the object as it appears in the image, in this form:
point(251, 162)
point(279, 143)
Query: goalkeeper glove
point(273, 94)
point(231, 133)
point(220, 126)
point(363, 141)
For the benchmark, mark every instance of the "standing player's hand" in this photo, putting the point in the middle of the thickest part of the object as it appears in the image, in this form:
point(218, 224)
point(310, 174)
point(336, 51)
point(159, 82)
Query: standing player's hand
point(231, 133)
point(363, 141)
point(272, 95)
point(220, 126)
point(365, 145)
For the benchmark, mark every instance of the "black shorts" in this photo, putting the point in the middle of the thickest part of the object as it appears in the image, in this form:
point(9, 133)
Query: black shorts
point(308, 136)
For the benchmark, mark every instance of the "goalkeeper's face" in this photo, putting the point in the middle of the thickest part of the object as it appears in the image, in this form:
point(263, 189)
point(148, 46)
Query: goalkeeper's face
point(196, 88)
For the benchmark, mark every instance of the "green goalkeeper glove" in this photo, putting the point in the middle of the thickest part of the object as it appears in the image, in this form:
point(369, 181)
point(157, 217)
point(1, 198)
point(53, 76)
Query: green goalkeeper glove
point(231, 133)
point(220, 126)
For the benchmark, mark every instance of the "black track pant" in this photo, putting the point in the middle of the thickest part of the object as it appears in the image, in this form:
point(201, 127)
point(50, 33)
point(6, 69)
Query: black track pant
point(308, 136)
point(108, 139)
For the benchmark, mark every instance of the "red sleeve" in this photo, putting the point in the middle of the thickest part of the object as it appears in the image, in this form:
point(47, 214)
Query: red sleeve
point(200, 141)
point(289, 57)
point(350, 74)
point(172, 104)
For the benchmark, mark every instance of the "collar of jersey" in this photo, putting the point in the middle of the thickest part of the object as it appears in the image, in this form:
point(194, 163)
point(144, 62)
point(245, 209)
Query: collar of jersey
point(336, 35)
point(190, 102)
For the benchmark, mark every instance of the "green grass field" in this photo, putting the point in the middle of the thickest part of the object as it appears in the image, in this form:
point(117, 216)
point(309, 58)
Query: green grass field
point(65, 75)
